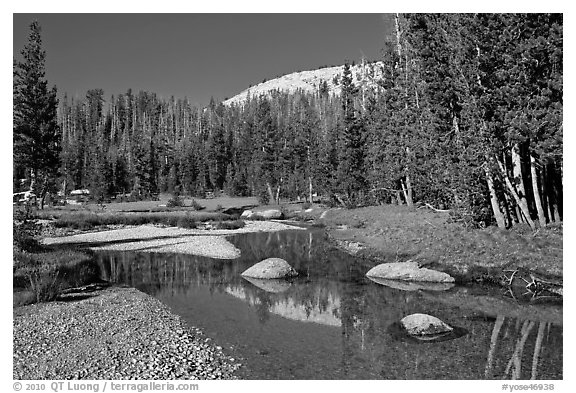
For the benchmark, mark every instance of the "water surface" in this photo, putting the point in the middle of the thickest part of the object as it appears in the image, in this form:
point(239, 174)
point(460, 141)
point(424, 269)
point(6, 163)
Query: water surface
point(333, 323)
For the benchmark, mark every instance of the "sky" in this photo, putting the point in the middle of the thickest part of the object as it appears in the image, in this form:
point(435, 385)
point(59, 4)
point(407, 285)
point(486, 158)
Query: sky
point(198, 56)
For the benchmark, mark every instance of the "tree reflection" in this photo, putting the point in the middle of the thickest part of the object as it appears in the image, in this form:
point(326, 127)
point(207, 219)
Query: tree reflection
point(332, 296)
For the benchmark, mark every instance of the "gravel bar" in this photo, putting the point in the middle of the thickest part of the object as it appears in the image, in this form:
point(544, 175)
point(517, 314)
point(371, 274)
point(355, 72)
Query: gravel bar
point(149, 238)
point(116, 333)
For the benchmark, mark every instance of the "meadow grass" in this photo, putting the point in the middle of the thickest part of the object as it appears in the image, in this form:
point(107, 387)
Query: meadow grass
point(401, 232)
point(89, 220)
point(46, 274)
point(236, 224)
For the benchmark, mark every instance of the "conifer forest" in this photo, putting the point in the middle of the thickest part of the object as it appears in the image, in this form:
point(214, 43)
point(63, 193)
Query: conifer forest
point(463, 112)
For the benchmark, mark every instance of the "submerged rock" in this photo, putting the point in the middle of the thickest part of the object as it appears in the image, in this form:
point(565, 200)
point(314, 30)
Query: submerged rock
point(404, 285)
point(408, 271)
point(270, 268)
point(424, 325)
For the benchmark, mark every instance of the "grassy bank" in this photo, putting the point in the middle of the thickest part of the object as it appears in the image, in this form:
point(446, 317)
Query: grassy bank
point(390, 233)
point(86, 220)
point(41, 273)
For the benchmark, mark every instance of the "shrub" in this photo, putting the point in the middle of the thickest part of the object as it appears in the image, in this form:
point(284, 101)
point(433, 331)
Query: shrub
point(175, 201)
point(286, 214)
point(24, 236)
point(49, 273)
point(83, 221)
point(229, 224)
point(131, 219)
point(172, 220)
point(263, 197)
point(196, 206)
point(186, 222)
point(306, 205)
point(44, 283)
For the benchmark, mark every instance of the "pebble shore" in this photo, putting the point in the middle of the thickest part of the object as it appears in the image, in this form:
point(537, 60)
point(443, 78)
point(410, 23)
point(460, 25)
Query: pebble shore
point(115, 333)
point(150, 238)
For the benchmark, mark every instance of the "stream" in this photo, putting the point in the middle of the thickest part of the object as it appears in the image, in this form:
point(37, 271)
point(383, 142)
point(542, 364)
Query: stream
point(332, 322)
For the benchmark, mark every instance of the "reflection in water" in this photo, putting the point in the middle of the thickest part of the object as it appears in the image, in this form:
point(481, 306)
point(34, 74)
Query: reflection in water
point(267, 285)
point(316, 308)
point(333, 323)
point(412, 285)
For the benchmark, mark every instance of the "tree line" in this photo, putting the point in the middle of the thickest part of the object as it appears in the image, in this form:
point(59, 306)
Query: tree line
point(462, 113)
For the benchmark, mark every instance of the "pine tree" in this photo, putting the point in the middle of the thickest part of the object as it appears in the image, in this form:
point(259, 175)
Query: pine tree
point(36, 132)
point(351, 164)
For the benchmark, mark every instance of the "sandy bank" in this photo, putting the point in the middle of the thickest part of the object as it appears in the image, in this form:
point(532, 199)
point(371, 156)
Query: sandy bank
point(150, 238)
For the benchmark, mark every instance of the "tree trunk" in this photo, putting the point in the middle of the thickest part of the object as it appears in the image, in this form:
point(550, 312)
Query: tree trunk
point(277, 199)
point(519, 215)
point(510, 187)
point(270, 192)
point(557, 195)
point(494, 198)
point(398, 34)
point(32, 188)
point(404, 191)
point(550, 216)
point(409, 200)
point(310, 189)
point(339, 199)
point(398, 198)
point(44, 191)
point(519, 181)
point(537, 200)
point(545, 195)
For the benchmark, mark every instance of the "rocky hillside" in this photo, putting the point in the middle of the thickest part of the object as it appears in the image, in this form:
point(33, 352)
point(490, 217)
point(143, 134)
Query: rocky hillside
point(310, 81)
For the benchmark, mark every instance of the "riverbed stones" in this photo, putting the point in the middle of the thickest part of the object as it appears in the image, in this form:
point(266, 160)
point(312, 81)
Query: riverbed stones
point(408, 271)
point(116, 333)
point(150, 238)
point(270, 268)
point(424, 325)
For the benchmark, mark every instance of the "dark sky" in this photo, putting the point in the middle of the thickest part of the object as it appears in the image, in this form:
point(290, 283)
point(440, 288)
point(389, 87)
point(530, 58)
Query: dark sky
point(194, 55)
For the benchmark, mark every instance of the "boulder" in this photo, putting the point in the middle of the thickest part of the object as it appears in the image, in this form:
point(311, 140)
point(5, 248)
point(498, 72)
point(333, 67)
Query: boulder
point(267, 214)
point(270, 268)
point(424, 325)
point(247, 214)
point(270, 214)
point(408, 271)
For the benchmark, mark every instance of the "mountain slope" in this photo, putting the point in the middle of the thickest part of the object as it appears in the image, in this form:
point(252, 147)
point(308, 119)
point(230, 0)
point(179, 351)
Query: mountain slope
point(310, 81)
